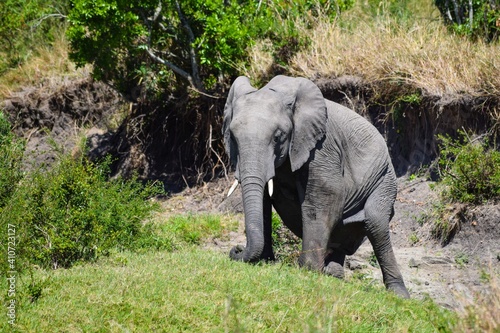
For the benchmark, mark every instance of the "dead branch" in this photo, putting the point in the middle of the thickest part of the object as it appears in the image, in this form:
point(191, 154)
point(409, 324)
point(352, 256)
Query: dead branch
point(194, 63)
point(45, 17)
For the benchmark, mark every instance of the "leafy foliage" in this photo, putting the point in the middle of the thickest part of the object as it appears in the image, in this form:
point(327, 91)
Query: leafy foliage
point(476, 18)
point(192, 41)
point(24, 23)
point(11, 154)
point(72, 212)
point(286, 244)
point(471, 170)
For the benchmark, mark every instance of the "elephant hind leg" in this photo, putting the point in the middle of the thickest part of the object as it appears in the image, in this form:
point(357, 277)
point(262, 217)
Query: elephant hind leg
point(379, 211)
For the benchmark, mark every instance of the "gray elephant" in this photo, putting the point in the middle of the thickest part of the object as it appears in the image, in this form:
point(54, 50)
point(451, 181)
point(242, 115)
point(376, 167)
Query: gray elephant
point(327, 171)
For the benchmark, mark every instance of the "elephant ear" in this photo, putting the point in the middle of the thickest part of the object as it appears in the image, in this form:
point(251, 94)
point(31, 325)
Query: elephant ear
point(241, 86)
point(309, 115)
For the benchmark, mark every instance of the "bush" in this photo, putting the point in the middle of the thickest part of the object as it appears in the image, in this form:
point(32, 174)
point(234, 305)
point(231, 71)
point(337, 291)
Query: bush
point(11, 154)
point(470, 169)
point(72, 213)
point(477, 18)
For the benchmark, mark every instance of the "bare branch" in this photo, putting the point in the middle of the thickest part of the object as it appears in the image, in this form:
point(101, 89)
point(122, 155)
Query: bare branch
point(194, 77)
point(217, 155)
point(45, 17)
point(170, 65)
point(157, 11)
point(458, 14)
point(154, 56)
point(205, 94)
point(471, 14)
point(194, 64)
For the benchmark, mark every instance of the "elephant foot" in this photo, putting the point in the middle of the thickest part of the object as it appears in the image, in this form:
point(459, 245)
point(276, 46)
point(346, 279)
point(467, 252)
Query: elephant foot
point(334, 269)
point(399, 289)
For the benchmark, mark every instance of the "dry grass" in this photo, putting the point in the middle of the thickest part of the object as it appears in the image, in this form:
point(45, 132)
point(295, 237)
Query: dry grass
point(482, 313)
point(46, 64)
point(419, 52)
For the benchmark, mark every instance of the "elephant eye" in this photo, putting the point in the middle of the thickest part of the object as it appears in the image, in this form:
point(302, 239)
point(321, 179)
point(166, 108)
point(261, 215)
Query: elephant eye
point(278, 135)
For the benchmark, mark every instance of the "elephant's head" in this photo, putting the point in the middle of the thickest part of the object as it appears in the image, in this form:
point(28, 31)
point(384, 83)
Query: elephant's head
point(262, 128)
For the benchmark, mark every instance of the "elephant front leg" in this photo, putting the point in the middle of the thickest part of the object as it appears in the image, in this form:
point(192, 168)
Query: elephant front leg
point(318, 222)
point(322, 205)
point(313, 246)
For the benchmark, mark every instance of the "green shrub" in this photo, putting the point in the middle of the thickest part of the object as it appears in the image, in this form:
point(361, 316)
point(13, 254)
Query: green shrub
point(72, 213)
point(276, 225)
point(470, 174)
point(11, 154)
point(477, 18)
point(462, 259)
point(286, 244)
point(469, 169)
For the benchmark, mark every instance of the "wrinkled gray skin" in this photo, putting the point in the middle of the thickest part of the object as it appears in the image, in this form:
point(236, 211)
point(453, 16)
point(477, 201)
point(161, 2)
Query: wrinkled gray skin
point(333, 179)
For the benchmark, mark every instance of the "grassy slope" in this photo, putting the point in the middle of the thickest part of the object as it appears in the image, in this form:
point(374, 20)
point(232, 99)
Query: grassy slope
point(195, 290)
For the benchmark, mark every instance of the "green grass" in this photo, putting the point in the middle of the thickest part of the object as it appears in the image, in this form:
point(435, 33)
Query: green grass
point(203, 291)
point(192, 229)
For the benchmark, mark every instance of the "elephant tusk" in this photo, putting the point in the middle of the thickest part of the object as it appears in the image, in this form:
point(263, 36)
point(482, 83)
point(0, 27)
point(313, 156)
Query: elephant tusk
point(233, 187)
point(270, 187)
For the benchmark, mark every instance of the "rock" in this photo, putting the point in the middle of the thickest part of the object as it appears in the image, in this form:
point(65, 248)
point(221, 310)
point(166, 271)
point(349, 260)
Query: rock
point(437, 260)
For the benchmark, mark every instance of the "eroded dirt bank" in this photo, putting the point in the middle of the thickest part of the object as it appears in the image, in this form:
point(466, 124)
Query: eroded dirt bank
point(56, 114)
point(151, 139)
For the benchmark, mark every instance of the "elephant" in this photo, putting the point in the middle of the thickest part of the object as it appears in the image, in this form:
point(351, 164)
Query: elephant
point(327, 171)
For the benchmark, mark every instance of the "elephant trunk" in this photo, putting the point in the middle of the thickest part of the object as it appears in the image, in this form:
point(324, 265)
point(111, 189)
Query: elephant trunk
point(252, 191)
point(255, 169)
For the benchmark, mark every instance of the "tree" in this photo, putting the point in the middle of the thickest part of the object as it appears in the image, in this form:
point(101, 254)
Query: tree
point(194, 42)
point(129, 41)
point(477, 18)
